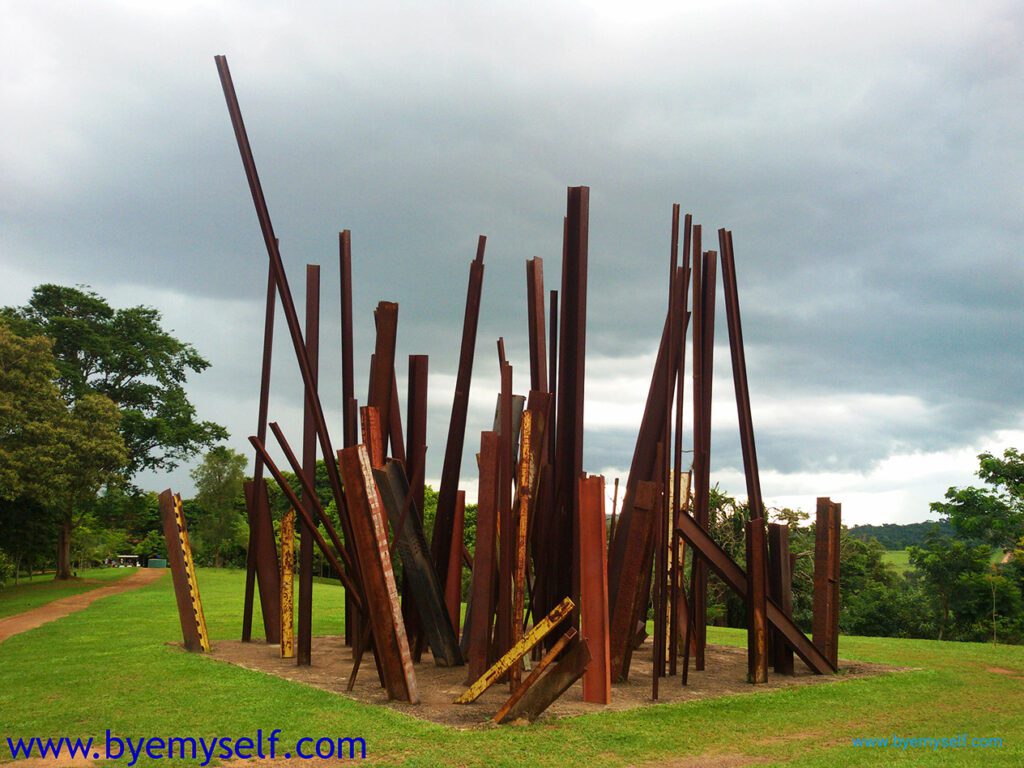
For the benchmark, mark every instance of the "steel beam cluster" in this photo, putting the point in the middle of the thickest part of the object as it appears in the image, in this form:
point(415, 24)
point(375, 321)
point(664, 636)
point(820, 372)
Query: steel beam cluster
point(548, 577)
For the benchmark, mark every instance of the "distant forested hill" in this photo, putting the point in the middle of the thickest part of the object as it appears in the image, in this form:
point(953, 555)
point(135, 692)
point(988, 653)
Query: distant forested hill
point(894, 536)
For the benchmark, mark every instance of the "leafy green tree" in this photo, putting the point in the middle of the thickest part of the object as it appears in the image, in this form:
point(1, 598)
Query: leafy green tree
point(94, 456)
point(56, 454)
point(219, 482)
point(125, 355)
point(946, 564)
point(994, 514)
point(31, 415)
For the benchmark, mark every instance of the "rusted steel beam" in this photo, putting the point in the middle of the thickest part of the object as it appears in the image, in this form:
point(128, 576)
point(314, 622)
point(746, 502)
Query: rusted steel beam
point(636, 533)
point(739, 375)
point(594, 624)
point(305, 636)
point(416, 426)
point(378, 578)
point(287, 535)
point(395, 434)
point(347, 578)
point(481, 613)
point(826, 579)
point(382, 380)
point(757, 602)
point(261, 430)
point(535, 324)
point(780, 589)
point(412, 548)
point(349, 404)
point(506, 536)
point(284, 293)
point(186, 587)
point(563, 642)
point(373, 436)
point(572, 347)
point(348, 385)
point(268, 578)
point(707, 549)
point(547, 690)
point(522, 522)
point(615, 511)
point(552, 367)
point(453, 579)
point(309, 492)
point(441, 543)
point(516, 652)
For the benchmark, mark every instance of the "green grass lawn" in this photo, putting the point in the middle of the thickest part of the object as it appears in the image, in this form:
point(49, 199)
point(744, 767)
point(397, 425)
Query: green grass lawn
point(43, 589)
point(900, 559)
point(111, 666)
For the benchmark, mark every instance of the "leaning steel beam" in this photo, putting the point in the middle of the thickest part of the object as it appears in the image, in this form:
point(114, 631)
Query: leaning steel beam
point(739, 375)
point(549, 688)
point(516, 652)
point(284, 293)
point(441, 542)
point(186, 588)
point(636, 533)
point(734, 577)
point(416, 563)
point(378, 577)
point(297, 505)
point(502, 714)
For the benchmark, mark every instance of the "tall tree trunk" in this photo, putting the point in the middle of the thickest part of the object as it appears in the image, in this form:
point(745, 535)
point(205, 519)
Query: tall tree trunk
point(64, 549)
point(17, 567)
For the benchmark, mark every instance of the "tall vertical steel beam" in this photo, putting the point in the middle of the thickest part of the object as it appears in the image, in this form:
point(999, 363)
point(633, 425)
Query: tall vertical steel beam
point(757, 602)
point(349, 406)
point(780, 589)
point(416, 448)
point(826, 579)
point(305, 639)
point(572, 348)
point(482, 583)
point(594, 623)
point(257, 473)
point(535, 324)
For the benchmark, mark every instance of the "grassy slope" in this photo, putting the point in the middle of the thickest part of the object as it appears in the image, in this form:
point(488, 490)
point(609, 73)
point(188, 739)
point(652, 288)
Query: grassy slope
point(116, 652)
point(43, 589)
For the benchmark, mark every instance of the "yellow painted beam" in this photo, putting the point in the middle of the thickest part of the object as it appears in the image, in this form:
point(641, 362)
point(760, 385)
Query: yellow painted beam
point(190, 570)
point(287, 534)
point(517, 651)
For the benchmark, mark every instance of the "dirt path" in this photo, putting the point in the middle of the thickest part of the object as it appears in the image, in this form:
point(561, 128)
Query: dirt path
point(23, 622)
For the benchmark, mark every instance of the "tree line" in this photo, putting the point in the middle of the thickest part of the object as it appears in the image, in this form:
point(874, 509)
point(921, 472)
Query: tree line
point(90, 395)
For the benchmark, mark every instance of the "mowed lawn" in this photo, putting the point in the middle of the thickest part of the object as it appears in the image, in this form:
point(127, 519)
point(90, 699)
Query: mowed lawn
point(113, 666)
point(43, 589)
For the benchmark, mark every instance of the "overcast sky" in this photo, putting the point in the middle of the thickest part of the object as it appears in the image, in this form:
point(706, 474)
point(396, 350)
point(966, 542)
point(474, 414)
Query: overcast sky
point(867, 157)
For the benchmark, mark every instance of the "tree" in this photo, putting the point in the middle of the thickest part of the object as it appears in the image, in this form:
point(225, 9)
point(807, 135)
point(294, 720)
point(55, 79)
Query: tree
point(52, 454)
point(947, 564)
point(219, 482)
point(127, 356)
point(31, 411)
point(994, 514)
point(94, 456)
